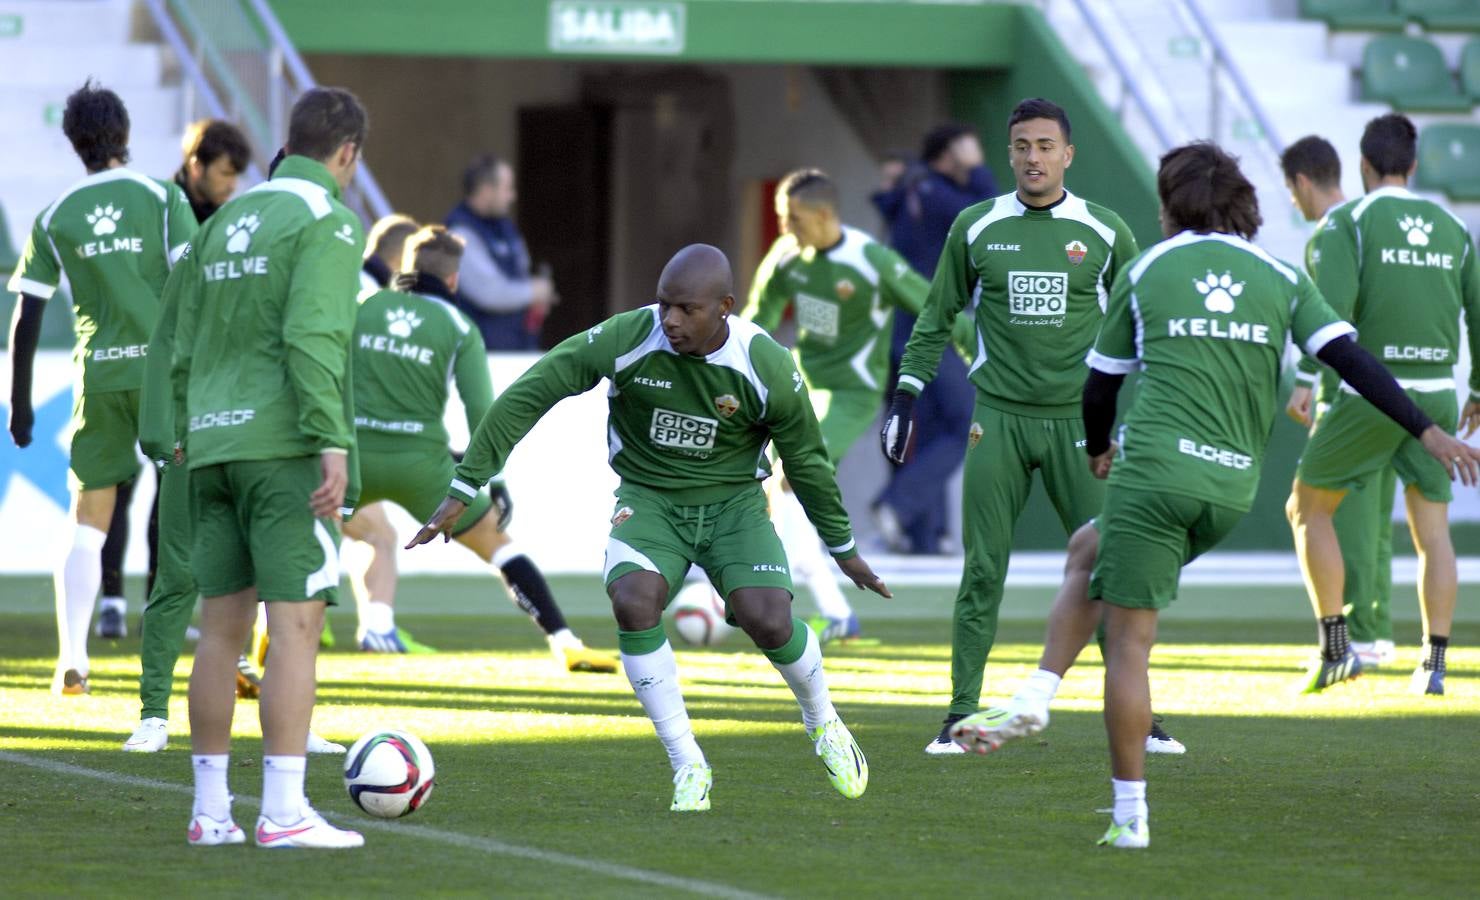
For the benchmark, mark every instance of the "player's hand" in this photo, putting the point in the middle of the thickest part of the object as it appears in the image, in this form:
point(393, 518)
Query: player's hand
point(862, 576)
point(503, 504)
point(1459, 459)
point(899, 424)
point(1099, 466)
point(441, 522)
point(22, 420)
point(327, 500)
point(1299, 406)
point(1469, 418)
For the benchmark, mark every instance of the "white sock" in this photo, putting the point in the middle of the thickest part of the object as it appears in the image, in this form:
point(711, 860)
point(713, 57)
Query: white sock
point(1039, 688)
point(211, 796)
point(564, 639)
point(654, 678)
point(282, 788)
point(77, 583)
point(807, 558)
point(378, 618)
point(1130, 800)
point(809, 684)
point(118, 603)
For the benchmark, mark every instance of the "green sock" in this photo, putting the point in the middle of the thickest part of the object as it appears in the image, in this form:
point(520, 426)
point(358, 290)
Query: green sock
point(639, 643)
point(792, 650)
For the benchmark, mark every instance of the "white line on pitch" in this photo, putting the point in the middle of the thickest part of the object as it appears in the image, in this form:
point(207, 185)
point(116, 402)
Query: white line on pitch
point(453, 838)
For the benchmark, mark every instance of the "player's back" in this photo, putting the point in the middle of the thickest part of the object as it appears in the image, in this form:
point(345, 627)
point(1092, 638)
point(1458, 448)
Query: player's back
point(110, 233)
point(1411, 255)
point(405, 347)
point(1210, 314)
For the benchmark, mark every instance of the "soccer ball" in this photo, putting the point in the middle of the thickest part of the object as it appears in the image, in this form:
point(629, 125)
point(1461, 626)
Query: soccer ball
point(699, 616)
point(389, 774)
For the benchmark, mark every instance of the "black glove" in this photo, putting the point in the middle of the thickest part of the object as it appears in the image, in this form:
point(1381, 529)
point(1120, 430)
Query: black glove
point(899, 424)
point(22, 418)
point(503, 504)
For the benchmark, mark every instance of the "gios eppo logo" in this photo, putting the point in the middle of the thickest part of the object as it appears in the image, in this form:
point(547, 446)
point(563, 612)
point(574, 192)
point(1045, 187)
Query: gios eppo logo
point(680, 431)
point(1038, 294)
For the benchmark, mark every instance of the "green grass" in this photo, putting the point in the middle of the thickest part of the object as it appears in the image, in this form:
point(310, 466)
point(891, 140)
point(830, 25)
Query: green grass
point(1363, 791)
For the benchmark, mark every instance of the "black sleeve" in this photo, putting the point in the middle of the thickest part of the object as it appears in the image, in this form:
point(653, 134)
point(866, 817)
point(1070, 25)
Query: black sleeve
point(1362, 371)
point(1098, 405)
point(25, 334)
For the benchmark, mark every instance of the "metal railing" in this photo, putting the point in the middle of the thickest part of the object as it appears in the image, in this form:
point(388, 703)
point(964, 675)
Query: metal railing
point(1221, 66)
point(1130, 83)
point(239, 64)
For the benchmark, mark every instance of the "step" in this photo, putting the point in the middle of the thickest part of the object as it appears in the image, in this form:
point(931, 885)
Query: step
point(66, 66)
point(48, 22)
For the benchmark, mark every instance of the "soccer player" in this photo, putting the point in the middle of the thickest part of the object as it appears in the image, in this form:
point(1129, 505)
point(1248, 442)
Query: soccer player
point(1035, 267)
point(1204, 317)
point(384, 247)
point(406, 344)
point(696, 396)
point(1403, 268)
point(262, 381)
point(1364, 521)
point(114, 234)
point(844, 286)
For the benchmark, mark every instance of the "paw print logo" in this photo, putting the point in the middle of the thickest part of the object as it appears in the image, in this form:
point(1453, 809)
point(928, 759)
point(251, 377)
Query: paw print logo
point(1218, 291)
point(1417, 230)
point(401, 322)
point(796, 382)
point(239, 235)
point(104, 219)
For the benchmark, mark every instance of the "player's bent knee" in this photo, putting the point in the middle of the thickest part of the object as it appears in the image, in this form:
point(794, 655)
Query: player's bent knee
point(764, 614)
point(1084, 544)
point(637, 600)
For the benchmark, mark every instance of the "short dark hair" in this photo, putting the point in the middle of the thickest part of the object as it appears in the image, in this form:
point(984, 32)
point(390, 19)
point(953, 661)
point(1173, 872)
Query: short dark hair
point(1202, 189)
point(812, 186)
point(96, 122)
point(1315, 158)
point(323, 120)
point(387, 237)
point(482, 170)
point(1390, 144)
point(433, 250)
point(210, 139)
point(940, 138)
point(1039, 108)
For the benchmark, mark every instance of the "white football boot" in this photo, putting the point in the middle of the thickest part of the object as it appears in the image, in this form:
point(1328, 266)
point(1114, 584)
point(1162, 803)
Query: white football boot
point(205, 831)
point(327, 747)
point(150, 737)
point(309, 832)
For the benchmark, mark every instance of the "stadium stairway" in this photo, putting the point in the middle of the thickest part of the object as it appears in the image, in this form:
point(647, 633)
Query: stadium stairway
point(49, 48)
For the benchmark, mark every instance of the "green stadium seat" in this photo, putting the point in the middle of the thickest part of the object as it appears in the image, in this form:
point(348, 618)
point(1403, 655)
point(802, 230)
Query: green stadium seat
point(9, 256)
point(1469, 69)
point(1449, 161)
point(1354, 15)
point(1410, 74)
point(1443, 15)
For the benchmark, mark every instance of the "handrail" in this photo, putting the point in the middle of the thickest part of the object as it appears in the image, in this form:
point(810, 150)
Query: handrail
point(366, 182)
point(224, 72)
point(1222, 57)
point(1126, 77)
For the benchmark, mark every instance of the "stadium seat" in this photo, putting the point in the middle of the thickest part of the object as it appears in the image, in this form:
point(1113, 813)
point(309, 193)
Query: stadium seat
point(1443, 15)
point(1354, 15)
point(1410, 74)
point(1469, 69)
point(1449, 161)
point(9, 256)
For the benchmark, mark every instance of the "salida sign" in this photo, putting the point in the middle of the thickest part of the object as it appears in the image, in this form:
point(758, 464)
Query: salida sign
point(587, 26)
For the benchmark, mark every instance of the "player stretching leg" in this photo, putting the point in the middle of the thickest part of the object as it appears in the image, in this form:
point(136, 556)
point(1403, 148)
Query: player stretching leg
point(115, 234)
point(1186, 466)
point(264, 407)
point(696, 397)
point(1409, 267)
point(406, 343)
point(844, 286)
point(1364, 522)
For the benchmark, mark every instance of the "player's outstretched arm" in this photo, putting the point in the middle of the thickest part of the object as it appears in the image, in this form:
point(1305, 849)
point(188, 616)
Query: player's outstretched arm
point(441, 522)
point(1367, 376)
point(25, 334)
point(863, 576)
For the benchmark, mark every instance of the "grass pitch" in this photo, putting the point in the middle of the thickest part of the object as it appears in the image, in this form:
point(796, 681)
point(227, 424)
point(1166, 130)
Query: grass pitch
point(552, 784)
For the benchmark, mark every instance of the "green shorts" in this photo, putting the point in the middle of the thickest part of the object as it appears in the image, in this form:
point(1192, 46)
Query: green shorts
point(105, 439)
point(733, 541)
point(414, 475)
point(1146, 538)
point(250, 524)
point(844, 416)
point(1353, 442)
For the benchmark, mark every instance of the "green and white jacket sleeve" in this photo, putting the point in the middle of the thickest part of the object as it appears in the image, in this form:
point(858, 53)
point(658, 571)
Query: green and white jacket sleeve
point(156, 399)
point(179, 222)
point(766, 303)
point(318, 324)
point(1335, 270)
point(907, 289)
point(949, 294)
point(39, 272)
point(574, 366)
point(470, 374)
point(798, 440)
